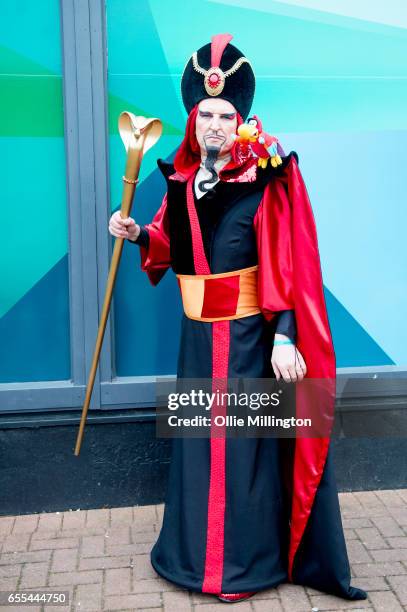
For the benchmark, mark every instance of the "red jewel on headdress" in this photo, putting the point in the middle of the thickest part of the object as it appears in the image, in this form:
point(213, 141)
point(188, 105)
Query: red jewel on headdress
point(214, 80)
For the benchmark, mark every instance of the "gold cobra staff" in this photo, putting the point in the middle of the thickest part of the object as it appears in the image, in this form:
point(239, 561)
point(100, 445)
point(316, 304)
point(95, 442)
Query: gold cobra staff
point(138, 134)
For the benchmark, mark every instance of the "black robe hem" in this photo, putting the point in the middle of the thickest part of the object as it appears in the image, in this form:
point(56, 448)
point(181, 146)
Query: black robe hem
point(353, 594)
point(240, 588)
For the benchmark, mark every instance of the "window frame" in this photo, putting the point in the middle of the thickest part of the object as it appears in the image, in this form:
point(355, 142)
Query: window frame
point(85, 92)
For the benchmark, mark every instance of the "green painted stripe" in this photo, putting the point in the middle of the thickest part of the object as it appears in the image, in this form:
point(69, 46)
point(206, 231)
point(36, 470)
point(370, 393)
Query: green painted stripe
point(117, 105)
point(12, 62)
point(31, 106)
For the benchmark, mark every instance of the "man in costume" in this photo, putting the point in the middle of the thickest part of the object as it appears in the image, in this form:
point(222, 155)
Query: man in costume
point(245, 514)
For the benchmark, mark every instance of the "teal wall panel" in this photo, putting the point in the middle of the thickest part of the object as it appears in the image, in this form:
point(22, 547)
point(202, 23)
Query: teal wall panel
point(34, 296)
point(331, 84)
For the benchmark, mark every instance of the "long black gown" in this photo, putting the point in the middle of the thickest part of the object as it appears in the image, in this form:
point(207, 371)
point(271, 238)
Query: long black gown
point(257, 470)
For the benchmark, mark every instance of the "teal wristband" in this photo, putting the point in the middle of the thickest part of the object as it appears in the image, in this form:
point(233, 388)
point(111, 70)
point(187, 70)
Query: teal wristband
point(278, 342)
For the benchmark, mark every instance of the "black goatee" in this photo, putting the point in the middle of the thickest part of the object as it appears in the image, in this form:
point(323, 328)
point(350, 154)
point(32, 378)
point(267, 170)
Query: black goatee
point(211, 158)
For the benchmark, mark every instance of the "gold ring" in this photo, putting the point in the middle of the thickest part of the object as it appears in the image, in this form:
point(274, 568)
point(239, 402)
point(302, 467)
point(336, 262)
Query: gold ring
point(132, 182)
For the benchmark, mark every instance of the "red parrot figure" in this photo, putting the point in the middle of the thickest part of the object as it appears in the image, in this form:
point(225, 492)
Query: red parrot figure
point(251, 134)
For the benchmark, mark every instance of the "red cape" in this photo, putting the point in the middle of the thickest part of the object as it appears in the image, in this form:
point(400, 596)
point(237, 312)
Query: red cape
point(290, 277)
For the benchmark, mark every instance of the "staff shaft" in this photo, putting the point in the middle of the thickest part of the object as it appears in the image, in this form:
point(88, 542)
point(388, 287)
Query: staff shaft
point(133, 163)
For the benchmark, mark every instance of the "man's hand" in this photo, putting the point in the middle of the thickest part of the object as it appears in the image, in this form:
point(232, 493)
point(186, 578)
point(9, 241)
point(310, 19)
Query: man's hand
point(123, 228)
point(287, 361)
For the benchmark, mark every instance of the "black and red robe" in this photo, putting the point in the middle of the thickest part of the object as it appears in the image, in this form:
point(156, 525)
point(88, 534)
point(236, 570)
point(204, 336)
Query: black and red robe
point(248, 514)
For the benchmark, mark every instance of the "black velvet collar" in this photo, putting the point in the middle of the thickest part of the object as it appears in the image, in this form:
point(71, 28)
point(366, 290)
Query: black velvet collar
point(210, 208)
point(264, 175)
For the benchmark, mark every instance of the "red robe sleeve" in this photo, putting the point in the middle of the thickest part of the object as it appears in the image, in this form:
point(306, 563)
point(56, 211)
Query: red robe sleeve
point(156, 259)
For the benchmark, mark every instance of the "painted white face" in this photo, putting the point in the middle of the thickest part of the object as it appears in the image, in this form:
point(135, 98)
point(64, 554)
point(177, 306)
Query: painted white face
point(216, 124)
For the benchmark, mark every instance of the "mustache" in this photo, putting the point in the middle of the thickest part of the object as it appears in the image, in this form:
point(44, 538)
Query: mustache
point(215, 135)
point(211, 157)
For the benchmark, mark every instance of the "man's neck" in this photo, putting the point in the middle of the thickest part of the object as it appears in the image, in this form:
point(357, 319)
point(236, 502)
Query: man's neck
point(204, 173)
point(220, 162)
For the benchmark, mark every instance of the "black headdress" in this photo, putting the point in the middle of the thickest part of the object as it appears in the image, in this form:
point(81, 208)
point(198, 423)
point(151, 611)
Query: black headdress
point(219, 69)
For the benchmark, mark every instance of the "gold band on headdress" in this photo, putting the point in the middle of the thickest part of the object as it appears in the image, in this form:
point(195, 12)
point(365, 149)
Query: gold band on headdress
point(215, 77)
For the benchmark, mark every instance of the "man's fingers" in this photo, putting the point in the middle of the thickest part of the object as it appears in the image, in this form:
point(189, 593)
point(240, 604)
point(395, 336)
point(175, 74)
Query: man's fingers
point(288, 372)
point(300, 367)
point(300, 361)
point(128, 221)
point(116, 226)
point(117, 219)
point(276, 370)
point(300, 373)
point(118, 229)
point(292, 368)
point(121, 224)
point(285, 373)
point(293, 373)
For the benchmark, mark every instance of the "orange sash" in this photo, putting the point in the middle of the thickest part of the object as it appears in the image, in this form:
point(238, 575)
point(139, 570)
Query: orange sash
point(220, 297)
